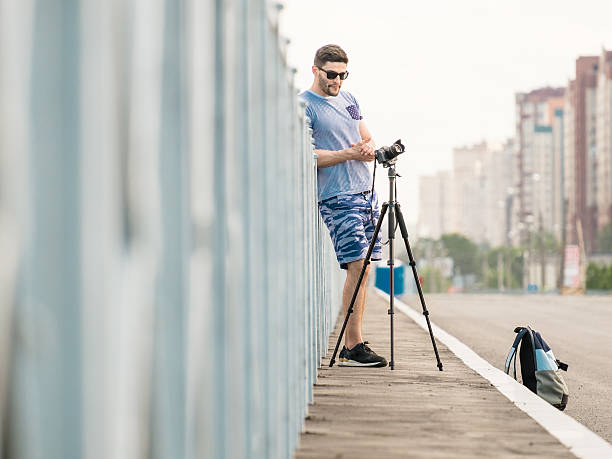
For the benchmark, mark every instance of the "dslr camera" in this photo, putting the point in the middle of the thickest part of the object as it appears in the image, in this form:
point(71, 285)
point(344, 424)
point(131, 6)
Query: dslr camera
point(387, 155)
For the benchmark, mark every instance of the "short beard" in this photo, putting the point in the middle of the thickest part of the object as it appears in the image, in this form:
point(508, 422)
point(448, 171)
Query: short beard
point(325, 89)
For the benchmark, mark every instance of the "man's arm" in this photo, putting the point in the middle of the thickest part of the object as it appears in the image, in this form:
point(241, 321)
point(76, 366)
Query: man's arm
point(361, 151)
point(365, 134)
point(326, 158)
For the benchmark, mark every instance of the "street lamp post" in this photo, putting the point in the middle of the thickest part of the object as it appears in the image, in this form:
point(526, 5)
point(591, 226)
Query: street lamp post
point(529, 222)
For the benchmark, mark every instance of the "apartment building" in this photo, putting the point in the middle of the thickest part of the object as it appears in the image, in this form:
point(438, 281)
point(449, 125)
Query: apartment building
point(498, 192)
point(538, 155)
point(585, 150)
point(569, 162)
point(473, 199)
point(435, 209)
point(468, 193)
point(603, 128)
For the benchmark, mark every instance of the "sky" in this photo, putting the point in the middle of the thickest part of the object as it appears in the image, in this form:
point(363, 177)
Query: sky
point(443, 74)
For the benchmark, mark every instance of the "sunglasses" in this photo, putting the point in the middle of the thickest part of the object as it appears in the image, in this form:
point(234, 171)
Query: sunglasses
point(331, 75)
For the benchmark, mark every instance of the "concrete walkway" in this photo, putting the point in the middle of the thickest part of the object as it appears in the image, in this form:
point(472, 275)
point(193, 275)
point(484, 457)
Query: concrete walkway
point(414, 410)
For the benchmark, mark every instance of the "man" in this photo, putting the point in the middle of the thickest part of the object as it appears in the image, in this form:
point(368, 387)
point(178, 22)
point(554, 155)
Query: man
point(344, 146)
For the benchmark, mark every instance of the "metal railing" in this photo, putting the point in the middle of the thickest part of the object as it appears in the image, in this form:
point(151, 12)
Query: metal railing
point(167, 288)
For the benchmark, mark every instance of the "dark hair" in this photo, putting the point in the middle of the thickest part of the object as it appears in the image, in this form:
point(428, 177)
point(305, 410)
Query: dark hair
point(329, 53)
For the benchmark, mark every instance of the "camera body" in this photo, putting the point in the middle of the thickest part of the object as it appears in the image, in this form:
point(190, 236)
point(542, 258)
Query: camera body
point(387, 155)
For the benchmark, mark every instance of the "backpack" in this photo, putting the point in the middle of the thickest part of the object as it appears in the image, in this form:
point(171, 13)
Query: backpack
point(539, 367)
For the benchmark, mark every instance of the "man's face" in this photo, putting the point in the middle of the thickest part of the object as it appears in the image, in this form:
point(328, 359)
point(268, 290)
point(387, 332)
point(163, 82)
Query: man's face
point(327, 86)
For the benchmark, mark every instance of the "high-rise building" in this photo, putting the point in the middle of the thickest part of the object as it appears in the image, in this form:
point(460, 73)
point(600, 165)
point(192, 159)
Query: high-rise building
point(497, 192)
point(558, 198)
point(537, 154)
point(569, 162)
point(603, 197)
point(434, 206)
point(473, 199)
point(468, 196)
point(585, 141)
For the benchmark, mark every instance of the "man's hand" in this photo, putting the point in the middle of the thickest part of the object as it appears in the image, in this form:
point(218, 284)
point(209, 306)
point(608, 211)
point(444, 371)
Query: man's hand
point(362, 151)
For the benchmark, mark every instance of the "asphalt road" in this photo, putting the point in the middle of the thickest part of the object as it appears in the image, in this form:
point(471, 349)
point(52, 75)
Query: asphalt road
point(577, 328)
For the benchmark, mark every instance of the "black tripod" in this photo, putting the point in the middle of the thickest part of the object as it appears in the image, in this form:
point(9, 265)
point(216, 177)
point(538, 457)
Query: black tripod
point(394, 212)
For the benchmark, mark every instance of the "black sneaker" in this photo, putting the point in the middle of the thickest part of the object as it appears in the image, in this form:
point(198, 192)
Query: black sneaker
point(361, 356)
point(343, 355)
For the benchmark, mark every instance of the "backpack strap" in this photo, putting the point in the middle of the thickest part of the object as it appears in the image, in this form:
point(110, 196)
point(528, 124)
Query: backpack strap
point(529, 364)
point(512, 354)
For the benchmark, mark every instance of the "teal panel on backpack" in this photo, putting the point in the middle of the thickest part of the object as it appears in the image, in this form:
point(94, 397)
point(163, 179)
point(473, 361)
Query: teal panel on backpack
point(542, 361)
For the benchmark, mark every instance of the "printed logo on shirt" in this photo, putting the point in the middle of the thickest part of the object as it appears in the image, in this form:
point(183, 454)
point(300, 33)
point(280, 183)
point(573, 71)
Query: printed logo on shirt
point(354, 112)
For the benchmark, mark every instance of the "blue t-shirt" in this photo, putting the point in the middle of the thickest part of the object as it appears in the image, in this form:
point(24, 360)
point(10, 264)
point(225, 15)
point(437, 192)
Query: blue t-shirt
point(335, 126)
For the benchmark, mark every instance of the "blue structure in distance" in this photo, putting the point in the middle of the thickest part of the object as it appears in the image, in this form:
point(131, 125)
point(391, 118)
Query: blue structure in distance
point(383, 278)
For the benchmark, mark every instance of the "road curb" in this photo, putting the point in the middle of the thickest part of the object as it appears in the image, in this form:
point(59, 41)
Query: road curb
point(580, 440)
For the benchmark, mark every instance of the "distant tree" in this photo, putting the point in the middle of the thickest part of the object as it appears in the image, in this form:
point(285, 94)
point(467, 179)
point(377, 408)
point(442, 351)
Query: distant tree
point(510, 260)
point(548, 241)
point(604, 239)
point(434, 281)
point(463, 251)
point(599, 277)
point(420, 249)
point(426, 252)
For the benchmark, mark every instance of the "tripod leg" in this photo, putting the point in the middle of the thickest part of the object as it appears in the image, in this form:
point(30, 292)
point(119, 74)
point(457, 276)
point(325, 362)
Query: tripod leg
point(366, 262)
point(400, 219)
point(391, 262)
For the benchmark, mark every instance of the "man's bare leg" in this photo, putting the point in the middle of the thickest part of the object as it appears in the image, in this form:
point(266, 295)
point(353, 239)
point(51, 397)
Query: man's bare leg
point(352, 335)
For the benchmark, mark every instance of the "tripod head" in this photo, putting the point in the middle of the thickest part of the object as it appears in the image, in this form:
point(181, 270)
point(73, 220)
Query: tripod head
point(390, 164)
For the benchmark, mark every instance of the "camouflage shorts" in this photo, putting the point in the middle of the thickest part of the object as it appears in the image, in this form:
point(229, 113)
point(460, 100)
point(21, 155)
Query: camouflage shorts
point(350, 225)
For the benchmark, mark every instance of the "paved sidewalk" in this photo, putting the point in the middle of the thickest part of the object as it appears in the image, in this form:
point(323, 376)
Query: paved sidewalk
point(415, 410)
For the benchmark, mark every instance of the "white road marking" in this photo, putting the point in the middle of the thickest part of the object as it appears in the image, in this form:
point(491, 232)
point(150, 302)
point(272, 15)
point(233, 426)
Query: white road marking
point(580, 440)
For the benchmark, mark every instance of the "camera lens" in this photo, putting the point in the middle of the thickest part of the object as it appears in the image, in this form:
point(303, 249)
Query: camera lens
point(385, 155)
